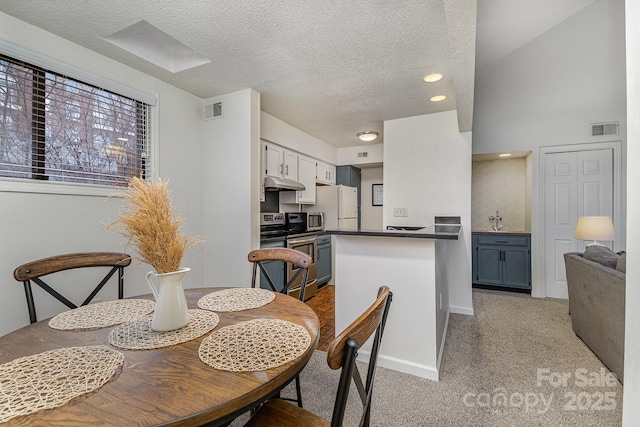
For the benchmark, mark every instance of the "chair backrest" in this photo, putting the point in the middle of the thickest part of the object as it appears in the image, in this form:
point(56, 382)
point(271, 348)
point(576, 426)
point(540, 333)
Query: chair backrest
point(299, 259)
point(34, 270)
point(343, 350)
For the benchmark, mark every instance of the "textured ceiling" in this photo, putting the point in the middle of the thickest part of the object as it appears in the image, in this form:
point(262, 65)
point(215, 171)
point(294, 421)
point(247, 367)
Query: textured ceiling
point(331, 68)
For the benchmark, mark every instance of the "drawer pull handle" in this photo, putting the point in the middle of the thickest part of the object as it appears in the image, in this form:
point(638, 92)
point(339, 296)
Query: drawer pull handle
point(502, 241)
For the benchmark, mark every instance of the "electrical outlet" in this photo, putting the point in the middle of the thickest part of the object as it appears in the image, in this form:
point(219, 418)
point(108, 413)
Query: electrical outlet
point(400, 211)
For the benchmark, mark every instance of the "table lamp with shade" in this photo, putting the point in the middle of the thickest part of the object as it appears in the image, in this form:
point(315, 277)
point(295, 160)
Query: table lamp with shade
point(595, 228)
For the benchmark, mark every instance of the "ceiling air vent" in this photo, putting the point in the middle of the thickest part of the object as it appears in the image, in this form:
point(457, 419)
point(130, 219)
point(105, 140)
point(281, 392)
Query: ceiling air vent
point(212, 111)
point(363, 154)
point(601, 129)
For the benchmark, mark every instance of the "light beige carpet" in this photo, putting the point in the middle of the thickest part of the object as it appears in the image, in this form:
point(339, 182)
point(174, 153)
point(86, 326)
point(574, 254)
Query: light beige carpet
point(516, 362)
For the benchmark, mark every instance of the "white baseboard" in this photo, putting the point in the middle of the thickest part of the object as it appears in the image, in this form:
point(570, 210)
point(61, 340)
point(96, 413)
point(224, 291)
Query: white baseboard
point(419, 370)
point(461, 310)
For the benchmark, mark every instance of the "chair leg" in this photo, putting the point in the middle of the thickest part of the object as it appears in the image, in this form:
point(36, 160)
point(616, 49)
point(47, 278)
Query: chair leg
point(298, 391)
point(31, 305)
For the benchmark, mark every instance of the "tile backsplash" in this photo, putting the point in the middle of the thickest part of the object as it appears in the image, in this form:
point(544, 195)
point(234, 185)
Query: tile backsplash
point(499, 185)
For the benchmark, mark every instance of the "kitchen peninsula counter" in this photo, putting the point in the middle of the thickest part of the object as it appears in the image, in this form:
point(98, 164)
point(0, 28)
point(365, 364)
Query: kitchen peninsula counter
point(413, 263)
point(446, 232)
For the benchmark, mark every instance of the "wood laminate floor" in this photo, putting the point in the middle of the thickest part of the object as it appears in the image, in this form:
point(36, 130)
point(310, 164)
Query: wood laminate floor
point(323, 303)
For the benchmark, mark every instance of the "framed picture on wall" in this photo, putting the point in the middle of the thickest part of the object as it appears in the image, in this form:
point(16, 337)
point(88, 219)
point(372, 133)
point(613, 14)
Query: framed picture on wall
point(376, 194)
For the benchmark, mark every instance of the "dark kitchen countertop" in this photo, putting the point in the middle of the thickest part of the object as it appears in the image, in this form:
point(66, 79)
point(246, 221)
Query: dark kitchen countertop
point(444, 232)
point(516, 233)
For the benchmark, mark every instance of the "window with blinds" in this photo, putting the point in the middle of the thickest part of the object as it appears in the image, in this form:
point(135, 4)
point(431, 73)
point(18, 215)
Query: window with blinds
point(55, 128)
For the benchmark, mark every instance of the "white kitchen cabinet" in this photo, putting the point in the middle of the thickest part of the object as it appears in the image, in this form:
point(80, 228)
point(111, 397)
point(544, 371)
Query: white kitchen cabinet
point(279, 162)
point(290, 165)
point(307, 177)
point(325, 173)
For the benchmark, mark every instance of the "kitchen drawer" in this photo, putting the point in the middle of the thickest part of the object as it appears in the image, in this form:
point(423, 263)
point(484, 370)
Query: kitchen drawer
point(502, 240)
point(323, 240)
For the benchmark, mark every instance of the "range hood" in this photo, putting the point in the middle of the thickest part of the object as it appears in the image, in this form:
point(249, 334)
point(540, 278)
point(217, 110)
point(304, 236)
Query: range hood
point(278, 184)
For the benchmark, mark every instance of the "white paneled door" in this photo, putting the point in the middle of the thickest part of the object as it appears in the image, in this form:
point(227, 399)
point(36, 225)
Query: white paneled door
point(576, 183)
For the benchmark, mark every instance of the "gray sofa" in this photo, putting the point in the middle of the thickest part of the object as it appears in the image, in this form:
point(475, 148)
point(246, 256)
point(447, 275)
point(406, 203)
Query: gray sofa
point(597, 305)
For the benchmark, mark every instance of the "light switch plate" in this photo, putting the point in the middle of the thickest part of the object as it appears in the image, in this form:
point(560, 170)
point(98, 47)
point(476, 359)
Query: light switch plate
point(400, 212)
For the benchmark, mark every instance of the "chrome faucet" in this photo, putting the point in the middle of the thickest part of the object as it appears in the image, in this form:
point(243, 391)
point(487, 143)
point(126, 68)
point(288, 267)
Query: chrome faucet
point(496, 221)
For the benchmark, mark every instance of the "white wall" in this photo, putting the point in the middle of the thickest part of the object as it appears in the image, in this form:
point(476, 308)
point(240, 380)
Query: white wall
point(371, 215)
point(354, 155)
point(427, 170)
point(275, 130)
point(231, 188)
point(631, 409)
point(35, 225)
point(548, 92)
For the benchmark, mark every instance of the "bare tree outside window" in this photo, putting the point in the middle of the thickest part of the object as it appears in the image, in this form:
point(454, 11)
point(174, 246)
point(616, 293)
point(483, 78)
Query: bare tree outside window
point(59, 129)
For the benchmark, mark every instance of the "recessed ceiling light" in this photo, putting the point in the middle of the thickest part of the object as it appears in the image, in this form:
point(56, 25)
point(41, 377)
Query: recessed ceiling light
point(433, 77)
point(437, 98)
point(368, 136)
point(505, 155)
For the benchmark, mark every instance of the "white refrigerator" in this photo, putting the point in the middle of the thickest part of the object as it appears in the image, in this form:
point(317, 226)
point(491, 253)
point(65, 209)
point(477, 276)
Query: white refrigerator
point(339, 204)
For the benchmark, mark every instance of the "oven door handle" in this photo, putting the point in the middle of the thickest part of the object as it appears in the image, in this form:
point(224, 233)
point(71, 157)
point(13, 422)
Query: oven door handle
point(301, 241)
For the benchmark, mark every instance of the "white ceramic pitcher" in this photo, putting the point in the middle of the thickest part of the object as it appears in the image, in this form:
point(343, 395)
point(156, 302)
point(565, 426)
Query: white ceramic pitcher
point(171, 305)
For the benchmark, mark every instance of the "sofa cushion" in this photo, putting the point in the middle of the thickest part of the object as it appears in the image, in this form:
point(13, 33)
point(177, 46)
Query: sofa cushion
point(622, 263)
point(602, 255)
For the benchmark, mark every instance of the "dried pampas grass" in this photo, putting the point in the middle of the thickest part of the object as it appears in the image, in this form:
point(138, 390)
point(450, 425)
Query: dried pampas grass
point(151, 227)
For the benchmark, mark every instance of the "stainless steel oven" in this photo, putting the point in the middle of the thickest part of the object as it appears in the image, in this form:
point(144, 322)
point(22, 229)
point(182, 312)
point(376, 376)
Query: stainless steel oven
point(304, 243)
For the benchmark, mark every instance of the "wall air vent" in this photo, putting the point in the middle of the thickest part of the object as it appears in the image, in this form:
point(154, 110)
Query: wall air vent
point(213, 111)
point(602, 129)
point(363, 154)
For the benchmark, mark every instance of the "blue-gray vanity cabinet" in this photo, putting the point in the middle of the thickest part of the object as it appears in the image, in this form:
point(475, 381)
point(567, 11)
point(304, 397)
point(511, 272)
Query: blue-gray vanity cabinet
point(501, 259)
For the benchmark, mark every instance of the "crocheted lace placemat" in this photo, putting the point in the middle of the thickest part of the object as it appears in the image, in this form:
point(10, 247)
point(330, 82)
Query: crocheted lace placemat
point(236, 299)
point(139, 336)
point(255, 345)
point(102, 314)
point(53, 378)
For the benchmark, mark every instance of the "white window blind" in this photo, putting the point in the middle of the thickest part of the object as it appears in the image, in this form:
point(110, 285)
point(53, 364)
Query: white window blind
point(55, 128)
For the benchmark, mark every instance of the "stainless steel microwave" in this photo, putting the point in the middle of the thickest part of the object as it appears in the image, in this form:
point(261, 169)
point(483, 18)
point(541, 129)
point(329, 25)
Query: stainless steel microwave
point(315, 221)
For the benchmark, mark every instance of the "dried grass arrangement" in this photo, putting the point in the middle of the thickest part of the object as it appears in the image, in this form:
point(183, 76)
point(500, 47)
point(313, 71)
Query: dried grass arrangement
point(151, 227)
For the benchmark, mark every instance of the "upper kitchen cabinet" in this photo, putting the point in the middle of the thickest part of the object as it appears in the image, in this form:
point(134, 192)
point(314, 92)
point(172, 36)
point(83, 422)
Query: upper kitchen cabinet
point(279, 162)
point(325, 174)
point(307, 177)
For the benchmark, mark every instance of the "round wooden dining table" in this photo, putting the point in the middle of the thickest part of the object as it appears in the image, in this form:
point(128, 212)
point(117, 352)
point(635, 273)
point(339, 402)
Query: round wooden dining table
point(167, 386)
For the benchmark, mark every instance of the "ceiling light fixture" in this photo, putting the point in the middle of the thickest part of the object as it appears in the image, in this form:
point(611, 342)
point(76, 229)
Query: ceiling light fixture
point(368, 136)
point(433, 77)
point(437, 98)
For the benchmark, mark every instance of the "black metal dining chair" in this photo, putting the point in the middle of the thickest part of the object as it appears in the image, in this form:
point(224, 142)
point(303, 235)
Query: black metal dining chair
point(34, 270)
point(301, 261)
point(342, 353)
